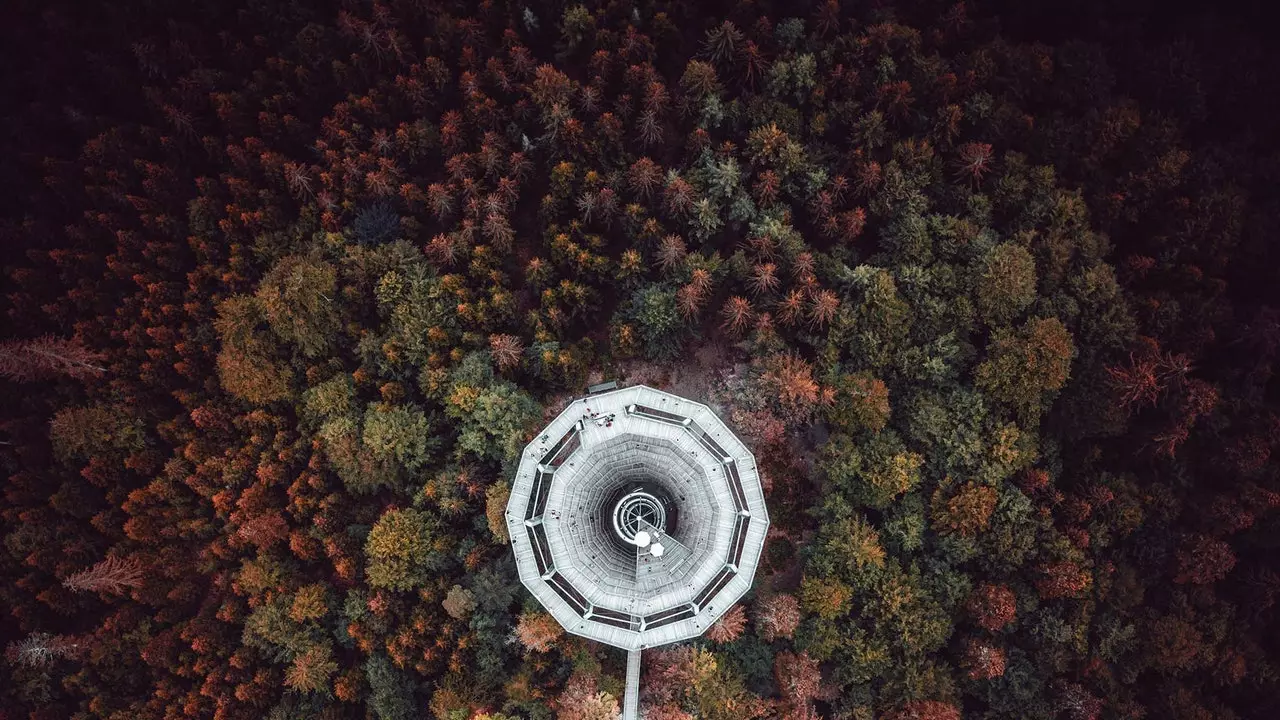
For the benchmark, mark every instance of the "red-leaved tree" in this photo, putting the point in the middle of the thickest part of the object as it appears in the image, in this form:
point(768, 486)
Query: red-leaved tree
point(729, 626)
point(798, 677)
point(993, 606)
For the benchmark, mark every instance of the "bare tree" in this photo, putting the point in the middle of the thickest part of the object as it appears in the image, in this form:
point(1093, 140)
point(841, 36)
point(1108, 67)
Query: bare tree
point(48, 356)
point(39, 649)
point(113, 574)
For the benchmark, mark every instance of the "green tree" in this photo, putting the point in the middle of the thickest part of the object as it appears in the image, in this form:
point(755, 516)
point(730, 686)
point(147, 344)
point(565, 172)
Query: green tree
point(420, 312)
point(494, 416)
point(880, 321)
point(362, 470)
point(270, 628)
point(1013, 528)
point(402, 432)
point(400, 550)
point(495, 421)
point(390, 690)
point(333, 398)
point(1006, 283)
point(297, 297)
point(247, 365)
point(828, 598)
point(95, 430)
point(654, 312)
point(848, 546)
point(861, 403)
point(873, 473)
point(1026, 368)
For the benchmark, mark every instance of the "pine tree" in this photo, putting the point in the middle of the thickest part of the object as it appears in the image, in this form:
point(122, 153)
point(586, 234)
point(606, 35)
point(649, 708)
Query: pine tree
point(973, 161)
point(763, 279)
point(538, 631)
point(778, 616)
point(788, 378)
point(737, 314)
point(400, 550)
point(671, 252)
point(48, 356)
point(823, 308)
point(728, 626)
point(113, 574)
point(39, 649)
point(506, 350)
point(993, 606)
point(797, 676)
point(583, 700)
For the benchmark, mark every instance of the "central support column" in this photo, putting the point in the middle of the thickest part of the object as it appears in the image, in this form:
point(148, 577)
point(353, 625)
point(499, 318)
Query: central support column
point(631, 698)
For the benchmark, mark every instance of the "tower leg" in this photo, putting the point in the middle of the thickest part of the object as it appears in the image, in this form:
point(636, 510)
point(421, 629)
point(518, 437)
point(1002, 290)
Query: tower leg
point(631, 699)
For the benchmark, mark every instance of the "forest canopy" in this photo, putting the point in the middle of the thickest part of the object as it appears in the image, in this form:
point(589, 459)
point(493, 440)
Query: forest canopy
point(290, 286)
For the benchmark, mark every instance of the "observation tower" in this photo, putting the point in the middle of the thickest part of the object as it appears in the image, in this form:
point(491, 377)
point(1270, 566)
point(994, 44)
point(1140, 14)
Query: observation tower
point(637, 520)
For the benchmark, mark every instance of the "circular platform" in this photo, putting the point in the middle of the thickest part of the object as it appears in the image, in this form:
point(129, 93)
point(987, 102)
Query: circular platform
point(637, 517)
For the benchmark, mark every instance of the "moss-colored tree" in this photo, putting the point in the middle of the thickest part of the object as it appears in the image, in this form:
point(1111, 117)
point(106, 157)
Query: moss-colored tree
point(828, 598)
point(401, 550)
point(1006, 283)
point(1025, 368)
point(495, 510)
point(653, 311)
point(873, 473)
point(402, 432)
point(298, 298)
point(391, 695)
point(861, 402)
point(247, 365)
point(95, 430)
point(880, 320)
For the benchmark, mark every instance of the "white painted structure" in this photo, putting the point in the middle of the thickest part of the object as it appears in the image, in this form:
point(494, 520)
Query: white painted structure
point(637, 520)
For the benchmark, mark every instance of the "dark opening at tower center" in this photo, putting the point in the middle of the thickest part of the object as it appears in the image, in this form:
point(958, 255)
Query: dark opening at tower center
point(638, 511)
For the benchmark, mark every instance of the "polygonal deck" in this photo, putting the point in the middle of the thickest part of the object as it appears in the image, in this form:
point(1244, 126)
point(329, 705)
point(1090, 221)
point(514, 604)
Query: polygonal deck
point(559, 527)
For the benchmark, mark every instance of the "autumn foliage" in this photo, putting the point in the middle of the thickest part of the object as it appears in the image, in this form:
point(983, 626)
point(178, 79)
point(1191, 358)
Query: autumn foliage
point(289, 288)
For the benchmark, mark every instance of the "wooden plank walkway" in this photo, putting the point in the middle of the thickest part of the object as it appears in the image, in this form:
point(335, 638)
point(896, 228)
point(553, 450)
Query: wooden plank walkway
point(631, 699)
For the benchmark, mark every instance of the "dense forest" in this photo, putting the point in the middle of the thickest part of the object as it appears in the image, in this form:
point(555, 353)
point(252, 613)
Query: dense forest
point(988, 288)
